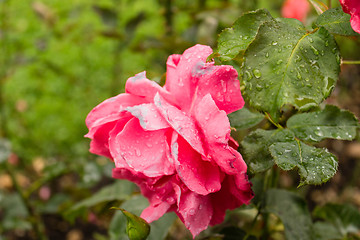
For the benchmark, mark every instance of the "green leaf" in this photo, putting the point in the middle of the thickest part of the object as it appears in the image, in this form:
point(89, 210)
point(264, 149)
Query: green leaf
point(325, 231)
point(316, 165)
point(345, 218)
point(292, 211)
point(256, 145)
point(5, 150)
point(136, 227)
point(287, 65)
point(13, 212)
point(244, 118)
point(233, 41)
point(120, 190)
point(336, 22)
point(330, 122)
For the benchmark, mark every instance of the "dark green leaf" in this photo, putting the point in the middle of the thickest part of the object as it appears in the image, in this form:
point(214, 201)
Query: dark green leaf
point(235, 233)
point(345, 218)
point(234, 40)
point(325, 231)
point(287, 65)
point(336, 22)
point(292, 211)
point(316, 165)
point(244, 118)
point(5, 150)
point(256, 145)
point(120, 190)
point(108, 15)
point(330, 122)
point(13, 212)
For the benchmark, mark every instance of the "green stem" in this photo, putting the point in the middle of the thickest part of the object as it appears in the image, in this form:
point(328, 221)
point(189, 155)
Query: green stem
point(267, 115)
point(4, 63)
point(35, 219)
point(253, 224)
point(350, 61)
point(329, 3)
point(168, 17)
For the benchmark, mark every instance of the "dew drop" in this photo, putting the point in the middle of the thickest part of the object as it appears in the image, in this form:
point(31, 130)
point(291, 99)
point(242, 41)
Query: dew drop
point(316, 52)
point(298, 76)
point(311, 40)
point(274, 43)
point(181, 82)
point(267, 55)
point(248, 74)
point(279, 62)
point(137, 152)
point(257, 73)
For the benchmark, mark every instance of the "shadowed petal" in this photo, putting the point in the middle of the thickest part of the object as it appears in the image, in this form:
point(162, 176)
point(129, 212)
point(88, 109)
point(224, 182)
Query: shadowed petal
point(216, 129)
point(196, 211)
point(230, 196)
point(143, 151)
point(100, 137)
point(199, 176)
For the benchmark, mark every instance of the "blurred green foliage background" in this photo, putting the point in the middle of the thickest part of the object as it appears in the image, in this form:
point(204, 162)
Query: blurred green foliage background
point(58, 60)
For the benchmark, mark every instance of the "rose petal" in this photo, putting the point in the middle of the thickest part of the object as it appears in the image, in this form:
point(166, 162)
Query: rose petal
point(154, 212)
point(215, 126)
point(143, 151)
point(352, 7)
point(223, 85)
point(110, 110)
point(100, 140)
point(297, 9)
point(230, 196)
point(179, 76)
point(196, 211)
point(180, 122)
point(140, 86)
point(199, 176)
point(149, 116)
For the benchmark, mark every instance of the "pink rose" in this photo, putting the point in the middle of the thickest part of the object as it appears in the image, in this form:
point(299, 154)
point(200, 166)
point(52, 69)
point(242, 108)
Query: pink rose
point(298, 9)
point(352, 7)
point(174, 141)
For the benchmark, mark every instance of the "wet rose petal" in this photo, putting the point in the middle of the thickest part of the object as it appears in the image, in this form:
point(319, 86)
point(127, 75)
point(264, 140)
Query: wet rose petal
point(174, 141)
point(196, 211)
point(201, 177)
point(149, 116)
point(143, 151)
point(223, 85)
point(180, 122)
point(352, 7)
point(216, 129)
point(179, 77)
